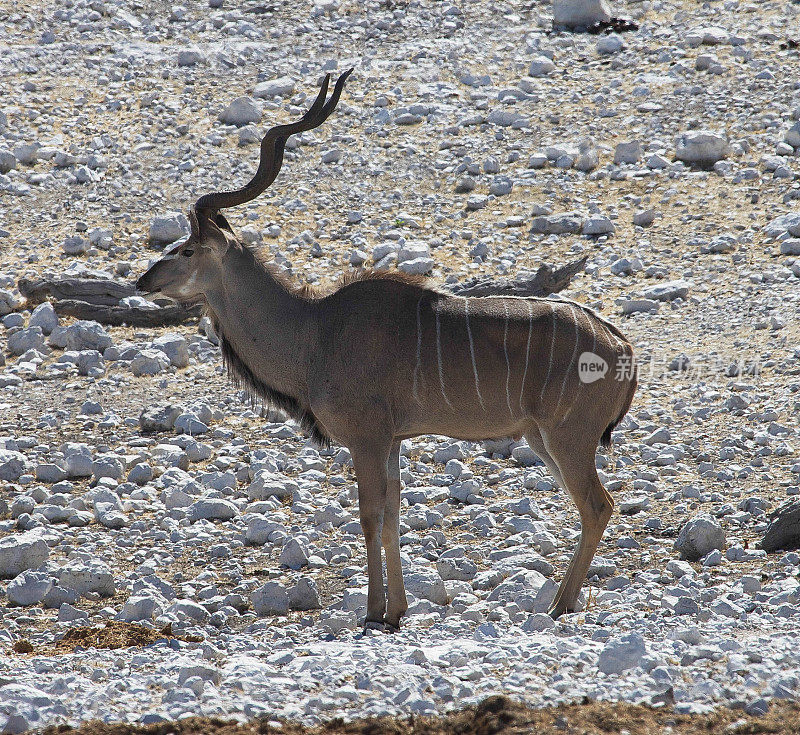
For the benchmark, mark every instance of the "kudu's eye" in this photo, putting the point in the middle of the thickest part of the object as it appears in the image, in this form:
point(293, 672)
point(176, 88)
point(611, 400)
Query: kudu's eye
point(188, 252)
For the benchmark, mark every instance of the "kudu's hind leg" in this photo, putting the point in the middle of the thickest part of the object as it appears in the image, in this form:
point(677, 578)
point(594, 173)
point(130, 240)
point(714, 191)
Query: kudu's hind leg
point(576, 462)
point(370, 462)
point(535, 442)
point(397, 604)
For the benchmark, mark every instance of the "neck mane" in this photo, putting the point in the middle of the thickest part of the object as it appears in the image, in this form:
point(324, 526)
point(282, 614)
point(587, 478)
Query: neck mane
point(245, 377)
point(259, 392)
point(242, 374)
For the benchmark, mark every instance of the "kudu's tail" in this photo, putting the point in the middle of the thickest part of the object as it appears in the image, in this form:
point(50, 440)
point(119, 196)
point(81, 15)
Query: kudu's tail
point(605, 440)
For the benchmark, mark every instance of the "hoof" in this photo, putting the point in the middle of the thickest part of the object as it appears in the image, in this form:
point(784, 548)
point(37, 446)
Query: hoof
point(378, 625)
point(557, 611)
point(391, 628)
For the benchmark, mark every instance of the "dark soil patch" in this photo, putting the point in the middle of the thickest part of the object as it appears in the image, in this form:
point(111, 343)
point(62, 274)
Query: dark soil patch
point(493, 716)
point(114, 634)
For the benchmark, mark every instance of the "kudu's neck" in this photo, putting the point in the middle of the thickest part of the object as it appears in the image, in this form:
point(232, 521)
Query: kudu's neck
point(269, 328)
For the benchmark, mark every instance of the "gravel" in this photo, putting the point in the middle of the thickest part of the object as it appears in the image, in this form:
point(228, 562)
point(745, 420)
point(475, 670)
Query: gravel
point(137, 484)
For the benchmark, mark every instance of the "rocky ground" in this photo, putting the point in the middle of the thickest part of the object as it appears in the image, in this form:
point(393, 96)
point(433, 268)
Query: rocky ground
point(138, 486)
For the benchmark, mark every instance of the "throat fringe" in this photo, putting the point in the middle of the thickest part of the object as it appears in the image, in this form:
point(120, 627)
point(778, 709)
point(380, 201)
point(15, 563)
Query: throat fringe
point(244, 378)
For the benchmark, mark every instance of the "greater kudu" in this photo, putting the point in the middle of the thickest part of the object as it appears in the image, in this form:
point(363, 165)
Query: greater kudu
point(387, 357)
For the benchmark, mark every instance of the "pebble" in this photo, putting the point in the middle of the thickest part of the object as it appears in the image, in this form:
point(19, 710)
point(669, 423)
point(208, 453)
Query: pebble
point(541, 66)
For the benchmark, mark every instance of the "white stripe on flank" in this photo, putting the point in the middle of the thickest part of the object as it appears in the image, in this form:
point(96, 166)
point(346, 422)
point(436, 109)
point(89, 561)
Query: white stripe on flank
point(508, 364)
point(588, 316)
point(472, 354)
point(418, 366)
point(552, 348)
point(594, 334)
point(439, 357)
point(572, 359)
point(527, 353)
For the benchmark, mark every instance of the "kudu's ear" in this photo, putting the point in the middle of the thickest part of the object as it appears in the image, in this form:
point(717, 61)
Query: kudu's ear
point(210, 232)
point(222, 223)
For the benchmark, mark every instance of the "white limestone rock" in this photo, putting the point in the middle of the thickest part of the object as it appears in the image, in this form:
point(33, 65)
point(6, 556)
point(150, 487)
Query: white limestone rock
point(149, 362)
point(336, 621)
point(82, 335)
point(159, 418)
point(175, 347)
point(667, 291)
point(28, 338)
point(629, 151)
point(242, 111)
point(558, 224)
point(20, 552)
point(29, 588)
point(270, 599)
point(212, 509)
point(622, 653)
point(529, 589)
point(44, 316)
point(579, 14)
point(268, 484)
point(426, 584)
point(294, 554)
point(78, 459)
point(304, 595)
point(541, 66)
point(699, 536)
point(12, 465)
point(87, 576)
point(280, 87)
point(702, 147)
point(169, 227)
point(140, 607)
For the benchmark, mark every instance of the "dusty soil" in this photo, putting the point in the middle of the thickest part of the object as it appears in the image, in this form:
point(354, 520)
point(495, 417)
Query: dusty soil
point(114, 634)
point(493, 716)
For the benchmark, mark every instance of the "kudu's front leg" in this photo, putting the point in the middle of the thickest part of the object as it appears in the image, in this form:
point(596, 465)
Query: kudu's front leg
point(370, 462)
point(391, 543)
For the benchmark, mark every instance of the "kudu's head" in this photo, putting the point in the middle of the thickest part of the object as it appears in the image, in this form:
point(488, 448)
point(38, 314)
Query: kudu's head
point(190, 270)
